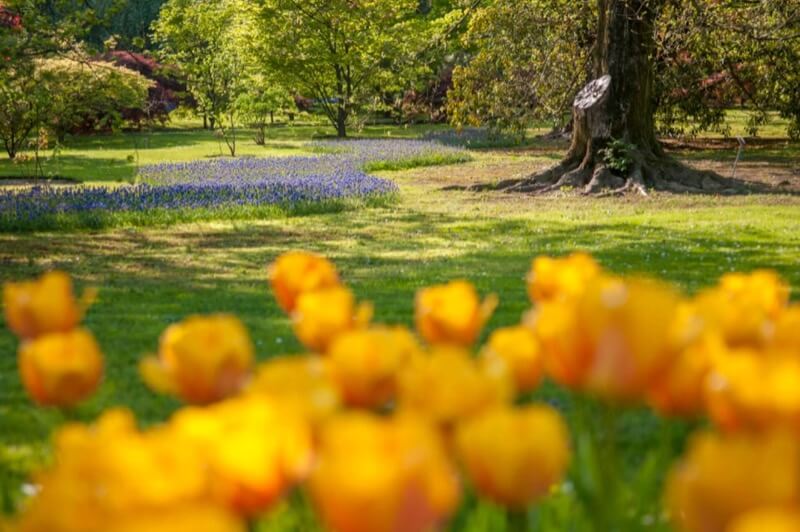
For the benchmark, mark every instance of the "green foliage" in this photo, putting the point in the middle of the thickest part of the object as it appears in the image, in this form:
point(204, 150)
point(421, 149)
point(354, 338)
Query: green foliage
point(24, 103)
point(529, 59)
point(618, 156)
point(89, 93)
point(343, 54)
point(63, 94)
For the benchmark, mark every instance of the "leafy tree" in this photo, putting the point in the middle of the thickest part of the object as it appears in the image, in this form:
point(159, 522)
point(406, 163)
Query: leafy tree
point(196, 36)
point(526, 64)
point(259, 103)
point(24, 104)
point(89, 94)
point(342, 53)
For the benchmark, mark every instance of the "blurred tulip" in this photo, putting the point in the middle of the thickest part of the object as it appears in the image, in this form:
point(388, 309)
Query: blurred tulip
point(785, 333)
point(297, 272)
point(768, 520)
point(560, 278)
point(680, 390)
point(754, 389)
point(320, 316)
point(46, 305)
point(742, 307)
point(514, 456)
point(518, 351)
point(255, 450)
point(447, 385)
point(61, 369)
point(365, 363)
point(186, 518)
point(108, 473)
point(383, 475)
point(614, 340)
point(452, 313)
point(201, 360)
point(302, 384)
point(724, 477)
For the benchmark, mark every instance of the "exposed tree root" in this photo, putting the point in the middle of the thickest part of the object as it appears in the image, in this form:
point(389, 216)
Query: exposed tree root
point(646, 173)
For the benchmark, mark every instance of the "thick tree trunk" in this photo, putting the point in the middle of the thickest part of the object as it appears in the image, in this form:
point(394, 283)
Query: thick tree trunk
point(619, 105)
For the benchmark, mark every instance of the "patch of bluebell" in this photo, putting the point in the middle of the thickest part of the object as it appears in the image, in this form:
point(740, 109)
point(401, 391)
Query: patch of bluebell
point(335, 173)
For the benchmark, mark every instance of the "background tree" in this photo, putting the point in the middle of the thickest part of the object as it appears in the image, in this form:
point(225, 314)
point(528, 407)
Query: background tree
point(196, 36)
point(525, 64)
point(341, 53)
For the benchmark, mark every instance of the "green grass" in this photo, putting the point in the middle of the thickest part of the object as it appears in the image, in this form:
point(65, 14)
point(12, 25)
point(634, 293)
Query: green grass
point(150, 277)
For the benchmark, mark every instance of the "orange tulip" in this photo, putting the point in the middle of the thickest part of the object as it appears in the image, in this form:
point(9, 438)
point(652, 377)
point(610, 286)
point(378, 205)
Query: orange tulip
point(452, 313)
point(302, 384)
point(255, 450)
point(552, 279)
point(320, 316)
point(448, 385)
point(768, 520)
point(680, 390)
point(724, 477)
point(46, 305)
point(742, 307)
point(514, 456)
point(194, 517)
point(61, 369)
point(202, 359)
point(517, 350)
point(297, 272)
point(383, 475)
point(365, 363)
point(109, 473)
point(752, 389)
point(614, 340)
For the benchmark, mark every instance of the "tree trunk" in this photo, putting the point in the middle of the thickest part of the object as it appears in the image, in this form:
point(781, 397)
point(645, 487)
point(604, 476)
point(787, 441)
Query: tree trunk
point(341, 121)
point(615, 112)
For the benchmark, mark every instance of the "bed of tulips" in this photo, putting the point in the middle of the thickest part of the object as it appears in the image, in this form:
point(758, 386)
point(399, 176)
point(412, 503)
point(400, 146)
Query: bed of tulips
point(377, 428)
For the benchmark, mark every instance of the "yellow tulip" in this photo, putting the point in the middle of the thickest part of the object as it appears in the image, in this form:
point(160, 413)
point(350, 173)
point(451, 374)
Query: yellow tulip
point(768, 520)
point(110, 472)
point(742, 307)
point(552, 279)
point(46, 305)
point(452, 313)
point(785, 332)
point(186, 518)
point(365, 363)
point(202, 359)
point(447, 385)
point(255, 451)
point(724, 477)
point(61, 369)
point(517, 350)
point(320, 316)
point(753, 389)
point(614, 340)
point(302, 384)
point(383, 475)
point(297, 272)
point(514, 456)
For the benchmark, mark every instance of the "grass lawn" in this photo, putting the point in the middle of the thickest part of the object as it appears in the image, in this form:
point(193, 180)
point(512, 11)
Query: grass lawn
point(151, 277)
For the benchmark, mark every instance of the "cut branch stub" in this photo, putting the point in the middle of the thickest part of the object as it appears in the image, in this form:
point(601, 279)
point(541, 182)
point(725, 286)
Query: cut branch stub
point(593, 93)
